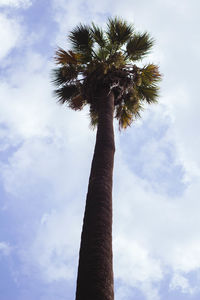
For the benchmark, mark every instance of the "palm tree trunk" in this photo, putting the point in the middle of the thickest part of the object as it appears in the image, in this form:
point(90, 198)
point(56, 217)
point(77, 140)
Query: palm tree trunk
point(95, 271)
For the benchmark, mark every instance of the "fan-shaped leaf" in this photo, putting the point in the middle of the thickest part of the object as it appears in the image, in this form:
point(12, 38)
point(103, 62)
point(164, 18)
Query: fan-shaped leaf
point(102, 54)
point(138, 46)
point(81, 39)
point(124, 116)
point(150, 74)
point(77, 102)
point(133, 103)
point(64, 74)
point(66, 57)
point(66, 93)
point(148, 93)
point(98, 35)
point(119, 32)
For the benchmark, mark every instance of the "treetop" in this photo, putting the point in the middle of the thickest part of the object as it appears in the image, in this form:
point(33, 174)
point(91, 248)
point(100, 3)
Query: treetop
point(107, 59)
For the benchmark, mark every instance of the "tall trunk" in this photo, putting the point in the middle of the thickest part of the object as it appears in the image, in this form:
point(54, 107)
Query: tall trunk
point(95, 271)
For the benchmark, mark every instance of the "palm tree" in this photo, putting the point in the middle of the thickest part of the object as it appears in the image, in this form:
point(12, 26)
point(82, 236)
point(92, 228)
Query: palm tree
point(100, 71)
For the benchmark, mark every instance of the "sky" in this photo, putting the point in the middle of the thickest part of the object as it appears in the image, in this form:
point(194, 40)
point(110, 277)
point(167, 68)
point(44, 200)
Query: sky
point(46, 152)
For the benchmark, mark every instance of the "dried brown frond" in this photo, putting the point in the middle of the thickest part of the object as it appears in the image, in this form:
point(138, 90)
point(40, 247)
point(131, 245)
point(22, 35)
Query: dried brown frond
point(77, 102)
point(66, 57)
point(124, 116)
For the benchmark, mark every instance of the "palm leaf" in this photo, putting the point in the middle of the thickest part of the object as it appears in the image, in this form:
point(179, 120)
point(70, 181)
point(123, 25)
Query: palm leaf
point(124, 116)
point(150, 74)
point(64, 75)
point(82, 41)
point(133, 103)
point(77, 102)
point(148, 93)
point(66, 93)
point(139, 46)
point(102, 54)
point(98, 35)
point(119, 32)
point(66, 57)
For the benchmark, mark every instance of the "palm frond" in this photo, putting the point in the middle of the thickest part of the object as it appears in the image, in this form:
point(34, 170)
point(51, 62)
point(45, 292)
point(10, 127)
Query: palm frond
point(66, 57)
point(82, 41)
point(150, 74)
point(66, 93)
point(64, 75)
point(139, 46)
point(148, 93)
point(77, 102)
point(133, 103)
point(102, 54)
point(98, 35)
point(119, 32)
point(137, 109)
point(124, 116)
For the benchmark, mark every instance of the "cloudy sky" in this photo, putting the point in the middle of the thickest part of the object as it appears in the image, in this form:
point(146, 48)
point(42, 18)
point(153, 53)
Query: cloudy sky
point(46, 151)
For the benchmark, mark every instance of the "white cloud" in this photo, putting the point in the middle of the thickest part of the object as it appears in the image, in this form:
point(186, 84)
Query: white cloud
point(5, 249)
point(10, 34)
point(53, 251)
point(40, 130)
point(135, 267)
point(180, 282)
point(22, 109)
point(183, 107)
point(15, 3)
point(155, 233)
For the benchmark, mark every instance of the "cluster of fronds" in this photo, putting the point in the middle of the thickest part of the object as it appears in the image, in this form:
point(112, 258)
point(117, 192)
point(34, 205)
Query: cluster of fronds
point(107, 57)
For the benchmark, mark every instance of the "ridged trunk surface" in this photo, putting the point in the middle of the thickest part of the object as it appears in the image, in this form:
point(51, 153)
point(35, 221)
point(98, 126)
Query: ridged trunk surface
point(95, 271)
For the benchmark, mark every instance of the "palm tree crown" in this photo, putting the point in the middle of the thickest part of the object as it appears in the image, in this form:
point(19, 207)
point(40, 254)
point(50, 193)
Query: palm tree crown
point(106, 59)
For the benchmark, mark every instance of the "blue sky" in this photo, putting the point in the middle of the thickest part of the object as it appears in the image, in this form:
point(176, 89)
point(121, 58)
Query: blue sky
point(46, 151)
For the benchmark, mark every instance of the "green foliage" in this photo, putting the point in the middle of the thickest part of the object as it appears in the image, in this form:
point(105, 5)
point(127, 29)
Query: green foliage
point(139, 46)
point(66, 93)
point(98, 36)
point(66, 57)
point(64, 74)
point(77, 102)
point(124, 116)
point(82, 42)
point(100, 57)
point(150, 74)
point(118, 32)
point(148, 93)
point(81, 38)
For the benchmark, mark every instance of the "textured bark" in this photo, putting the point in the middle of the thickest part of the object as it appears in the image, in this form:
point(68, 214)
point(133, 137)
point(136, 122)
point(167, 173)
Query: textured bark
point(95, 271)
